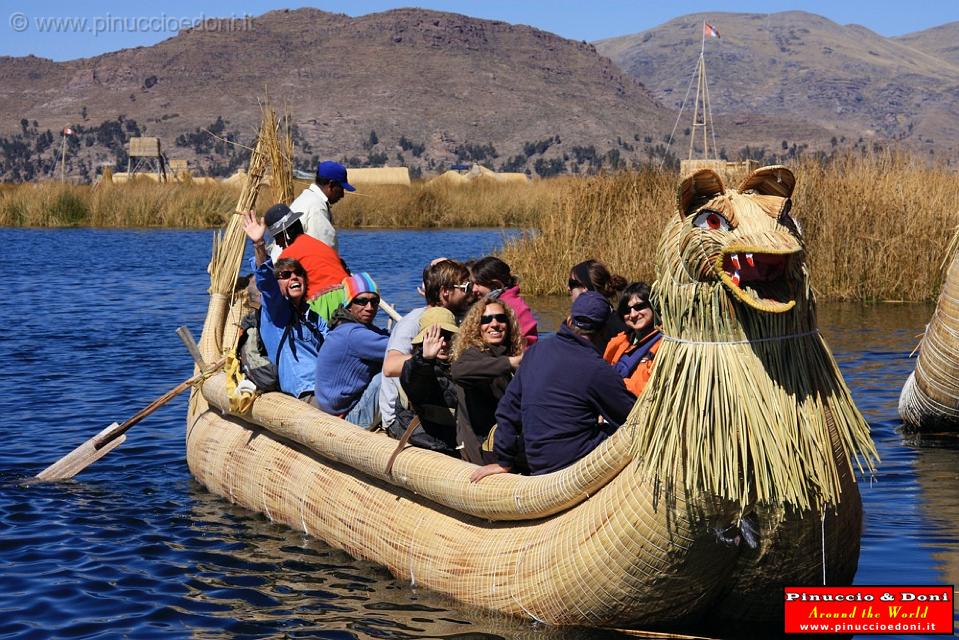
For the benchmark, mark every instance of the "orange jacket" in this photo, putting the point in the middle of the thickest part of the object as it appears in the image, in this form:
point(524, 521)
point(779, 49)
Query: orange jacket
point(618, 346)
point(324, 268)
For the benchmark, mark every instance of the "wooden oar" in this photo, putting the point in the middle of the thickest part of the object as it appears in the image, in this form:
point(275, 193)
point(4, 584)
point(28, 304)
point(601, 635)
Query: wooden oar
point(390, 311)
point(114, 435)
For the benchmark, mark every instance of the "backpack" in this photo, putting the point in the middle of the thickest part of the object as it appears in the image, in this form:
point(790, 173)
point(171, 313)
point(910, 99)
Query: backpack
point(254, 359)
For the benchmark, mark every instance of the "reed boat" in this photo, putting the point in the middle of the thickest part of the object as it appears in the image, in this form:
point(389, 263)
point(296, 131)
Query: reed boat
point(929, 401)
point(734, 476)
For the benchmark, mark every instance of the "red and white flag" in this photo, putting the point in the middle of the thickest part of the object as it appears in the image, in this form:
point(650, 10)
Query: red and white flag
point(67, 131)
point(710, 30)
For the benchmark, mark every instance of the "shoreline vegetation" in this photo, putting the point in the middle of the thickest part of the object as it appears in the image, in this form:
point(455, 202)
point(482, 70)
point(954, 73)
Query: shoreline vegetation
point(876, 226)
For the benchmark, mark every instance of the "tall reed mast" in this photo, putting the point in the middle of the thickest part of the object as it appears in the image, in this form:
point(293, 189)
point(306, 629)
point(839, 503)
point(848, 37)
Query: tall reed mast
point(702, 112)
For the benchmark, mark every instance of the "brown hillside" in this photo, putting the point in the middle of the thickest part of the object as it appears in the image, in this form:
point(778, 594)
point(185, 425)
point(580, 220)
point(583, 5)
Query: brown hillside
point(439, 80)
point(843, 78)
point(436, 88)
point(941, 41)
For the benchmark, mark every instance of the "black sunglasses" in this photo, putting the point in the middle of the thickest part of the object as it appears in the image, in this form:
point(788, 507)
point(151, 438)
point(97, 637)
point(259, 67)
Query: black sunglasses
point(575, 284)
point(499, 317)
point(362, 302)
point(286, 274)
point(639, 306)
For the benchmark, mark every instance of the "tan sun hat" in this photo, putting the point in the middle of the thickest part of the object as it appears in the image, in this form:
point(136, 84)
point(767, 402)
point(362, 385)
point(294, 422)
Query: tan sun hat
point(436, 315)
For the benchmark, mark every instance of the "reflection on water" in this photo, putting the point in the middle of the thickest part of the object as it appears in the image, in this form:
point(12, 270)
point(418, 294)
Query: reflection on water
point(135, 548)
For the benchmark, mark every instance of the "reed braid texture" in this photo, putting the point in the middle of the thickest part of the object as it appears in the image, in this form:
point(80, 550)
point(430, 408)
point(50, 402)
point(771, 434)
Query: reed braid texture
point(930, 398)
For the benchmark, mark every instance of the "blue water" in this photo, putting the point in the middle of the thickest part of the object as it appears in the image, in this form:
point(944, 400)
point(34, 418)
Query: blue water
point(133, 547)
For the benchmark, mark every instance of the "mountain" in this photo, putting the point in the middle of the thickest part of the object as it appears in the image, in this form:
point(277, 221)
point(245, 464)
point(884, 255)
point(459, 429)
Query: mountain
point(941, 42)
point(406, 86)
point(428, 89)
point(842, 78)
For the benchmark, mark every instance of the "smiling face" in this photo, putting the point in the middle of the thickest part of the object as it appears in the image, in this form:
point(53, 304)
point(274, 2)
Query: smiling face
point(364, 307)
point(494, 324)
point(292, 282)
point(639, 315)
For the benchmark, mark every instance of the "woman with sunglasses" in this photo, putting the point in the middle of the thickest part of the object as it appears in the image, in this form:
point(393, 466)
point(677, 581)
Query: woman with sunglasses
point(486, 352)
point(491, 275)
point(631, 352)
point(291, 332)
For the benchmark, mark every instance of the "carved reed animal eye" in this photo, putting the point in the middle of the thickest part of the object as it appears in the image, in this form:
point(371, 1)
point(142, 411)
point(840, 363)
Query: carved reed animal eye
point(712, 221)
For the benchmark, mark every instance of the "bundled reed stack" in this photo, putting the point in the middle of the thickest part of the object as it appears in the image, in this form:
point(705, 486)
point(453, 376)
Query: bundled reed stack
point(929, 401)
point(277, 135)
point(228, 245)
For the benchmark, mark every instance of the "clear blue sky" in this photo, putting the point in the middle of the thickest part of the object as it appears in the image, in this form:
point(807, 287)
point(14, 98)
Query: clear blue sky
point(112, 25)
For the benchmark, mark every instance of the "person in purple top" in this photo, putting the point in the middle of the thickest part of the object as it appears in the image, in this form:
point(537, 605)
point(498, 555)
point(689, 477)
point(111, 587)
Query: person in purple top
point(349, 364)
point(551, 409)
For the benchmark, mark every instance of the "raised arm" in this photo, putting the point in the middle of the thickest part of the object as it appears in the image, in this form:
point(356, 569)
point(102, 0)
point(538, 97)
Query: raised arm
point(255, 229)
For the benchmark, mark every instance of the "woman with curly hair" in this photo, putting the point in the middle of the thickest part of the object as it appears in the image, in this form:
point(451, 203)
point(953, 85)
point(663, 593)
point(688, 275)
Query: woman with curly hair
point(491, 275)
point(486, 352)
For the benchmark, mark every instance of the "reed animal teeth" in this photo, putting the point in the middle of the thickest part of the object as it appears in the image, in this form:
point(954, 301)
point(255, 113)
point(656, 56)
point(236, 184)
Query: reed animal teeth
point(735, 278)
point(749, 260)
point(735, 260)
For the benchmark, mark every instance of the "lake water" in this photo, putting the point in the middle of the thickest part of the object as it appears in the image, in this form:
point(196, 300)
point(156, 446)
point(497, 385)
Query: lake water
point(133, 547)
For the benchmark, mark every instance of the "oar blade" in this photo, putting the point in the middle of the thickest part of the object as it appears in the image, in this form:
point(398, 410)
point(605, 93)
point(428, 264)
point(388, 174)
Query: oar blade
point(83, 456)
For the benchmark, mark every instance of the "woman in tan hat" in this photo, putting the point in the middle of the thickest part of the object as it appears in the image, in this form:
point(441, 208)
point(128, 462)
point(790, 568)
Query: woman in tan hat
point(427, 383)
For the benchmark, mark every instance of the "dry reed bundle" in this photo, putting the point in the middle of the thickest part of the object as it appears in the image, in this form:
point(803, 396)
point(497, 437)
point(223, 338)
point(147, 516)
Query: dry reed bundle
point(930, 398)
point(745, 401)
point(228, 245)
point(277, 136)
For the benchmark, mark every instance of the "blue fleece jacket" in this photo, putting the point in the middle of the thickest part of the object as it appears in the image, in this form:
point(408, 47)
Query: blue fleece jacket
point(550, 408)
point(352, 354)
point(297, 355)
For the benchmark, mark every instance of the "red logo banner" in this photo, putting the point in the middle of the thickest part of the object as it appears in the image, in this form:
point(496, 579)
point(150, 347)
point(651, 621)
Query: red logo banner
point(890, 610)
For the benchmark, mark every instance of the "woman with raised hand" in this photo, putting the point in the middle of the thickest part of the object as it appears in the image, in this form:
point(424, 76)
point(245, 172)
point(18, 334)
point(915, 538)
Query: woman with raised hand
point(631, 352)
point(291, 332)
point(486, 352)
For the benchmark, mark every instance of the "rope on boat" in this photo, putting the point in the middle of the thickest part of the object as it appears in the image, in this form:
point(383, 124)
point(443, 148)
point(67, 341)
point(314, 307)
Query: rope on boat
point(822, 532)
point(791, 336)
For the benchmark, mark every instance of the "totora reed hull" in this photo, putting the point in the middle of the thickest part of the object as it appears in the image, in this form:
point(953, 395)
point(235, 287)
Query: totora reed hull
point(593, 544)
point(732, 478)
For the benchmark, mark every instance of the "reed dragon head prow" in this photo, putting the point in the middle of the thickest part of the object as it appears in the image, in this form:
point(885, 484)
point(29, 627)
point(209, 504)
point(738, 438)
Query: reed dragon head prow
point(745, 402)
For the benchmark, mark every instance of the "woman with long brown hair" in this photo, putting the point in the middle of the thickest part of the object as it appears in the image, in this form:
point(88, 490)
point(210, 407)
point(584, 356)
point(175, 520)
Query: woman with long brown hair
point(486, 352)
point(593, 275)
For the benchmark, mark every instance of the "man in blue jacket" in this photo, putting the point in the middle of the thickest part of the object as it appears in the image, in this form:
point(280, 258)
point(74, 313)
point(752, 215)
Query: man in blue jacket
point(551, 409)
point(349, 364)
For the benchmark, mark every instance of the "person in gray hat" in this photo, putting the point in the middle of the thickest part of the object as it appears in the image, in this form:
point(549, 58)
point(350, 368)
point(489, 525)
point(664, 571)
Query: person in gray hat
point(324, 268)
point(550, 415)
